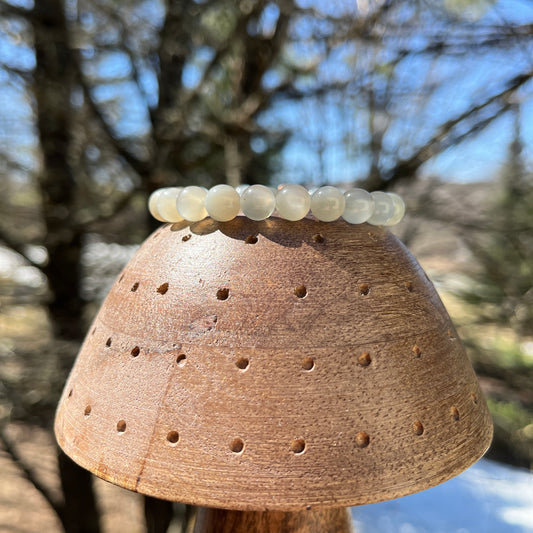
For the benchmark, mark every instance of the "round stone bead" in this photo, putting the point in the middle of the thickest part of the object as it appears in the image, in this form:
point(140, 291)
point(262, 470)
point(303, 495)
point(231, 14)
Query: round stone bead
point(359, 206)
point(166, 204)
point(327, 203)
point(399, 209)
point(223, 203)
point(293, 202)
point(241, 188)
point(191, 203)
point(152, 205)
point(383, 208)
point(258, 202)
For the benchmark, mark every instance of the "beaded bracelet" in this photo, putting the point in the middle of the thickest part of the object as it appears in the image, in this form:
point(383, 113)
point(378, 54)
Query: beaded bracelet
point(292, 202)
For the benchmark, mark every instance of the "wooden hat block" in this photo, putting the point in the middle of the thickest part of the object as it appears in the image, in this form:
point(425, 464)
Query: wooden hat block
point(282, 368)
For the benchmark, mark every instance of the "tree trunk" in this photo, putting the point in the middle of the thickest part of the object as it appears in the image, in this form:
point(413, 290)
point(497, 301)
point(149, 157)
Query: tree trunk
point(54, 74)
point(158, 514)
point(53, 78)
point(80, 514)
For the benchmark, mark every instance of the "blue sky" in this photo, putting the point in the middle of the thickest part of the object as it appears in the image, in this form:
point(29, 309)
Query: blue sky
point(463, 81)
point(337, 126)
point(486, 498)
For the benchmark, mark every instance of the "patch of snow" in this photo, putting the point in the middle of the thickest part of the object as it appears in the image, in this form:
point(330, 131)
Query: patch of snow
point(527, 348)
point(102, 262)
point(14, 267)
point(486, 498)
point(9, 262)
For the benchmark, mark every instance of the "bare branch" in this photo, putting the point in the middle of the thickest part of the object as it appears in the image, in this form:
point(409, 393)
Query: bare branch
point(115, 16)
point(119, 206)
point(24, 74)
point(406, 168)
point(194, 95)
point(9, 9)
point(137, 165)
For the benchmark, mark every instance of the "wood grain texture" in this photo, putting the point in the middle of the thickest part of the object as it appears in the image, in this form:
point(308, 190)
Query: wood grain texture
point(273, 366)
point(211, 520)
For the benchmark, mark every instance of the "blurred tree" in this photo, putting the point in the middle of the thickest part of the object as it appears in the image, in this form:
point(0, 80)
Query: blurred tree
point(503, 284)
point(115, 99)
point(500, 289)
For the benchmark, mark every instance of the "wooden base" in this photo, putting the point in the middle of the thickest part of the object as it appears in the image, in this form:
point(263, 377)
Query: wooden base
point(273, 365)
point(211, 520)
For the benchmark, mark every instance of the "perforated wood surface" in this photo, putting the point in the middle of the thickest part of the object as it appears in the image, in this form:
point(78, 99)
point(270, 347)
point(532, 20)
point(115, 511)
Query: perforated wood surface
point(273, 366)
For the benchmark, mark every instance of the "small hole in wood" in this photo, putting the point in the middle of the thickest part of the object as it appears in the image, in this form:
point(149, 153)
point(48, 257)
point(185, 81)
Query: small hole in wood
point(454, 413)
point(185, 238)
point(417, 351)
point(251, 239)
point(300, 291)
point(364, 359)
point(318, 237)
point(409, 286)
point(136, 351)
point(181, 359)
point(418, 428)
point(121, 426)
point(362, 439)
point(93, 331)
point(474, 398)
point(162, 289)
point(70, 393)
point(236, 445)
point(135, 286)
point(87, 411)
point(173, 437)
point(108, 342)
point(242, 363)
point(308, 508)
point(223, 294)
point(298, 446)
point(364, 288)
point(308, 364)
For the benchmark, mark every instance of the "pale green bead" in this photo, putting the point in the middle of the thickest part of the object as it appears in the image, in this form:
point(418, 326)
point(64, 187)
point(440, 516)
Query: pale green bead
point(258, 202)
point(359, 206)
point(166, 204)
point(293, 202)
point(383, 208)
point(191, 203)
point(399, 209)
point(152, 205)
point(327, 203)
point(223, 203)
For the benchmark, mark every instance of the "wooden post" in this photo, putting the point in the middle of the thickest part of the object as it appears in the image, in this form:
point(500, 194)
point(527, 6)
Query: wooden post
point(337, 520)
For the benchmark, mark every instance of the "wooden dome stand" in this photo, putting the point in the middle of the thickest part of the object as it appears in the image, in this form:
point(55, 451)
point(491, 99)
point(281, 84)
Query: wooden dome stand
point(274, 373)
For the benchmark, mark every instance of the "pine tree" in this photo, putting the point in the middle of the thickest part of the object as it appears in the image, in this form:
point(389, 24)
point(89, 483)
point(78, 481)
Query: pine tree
point(503, 287)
